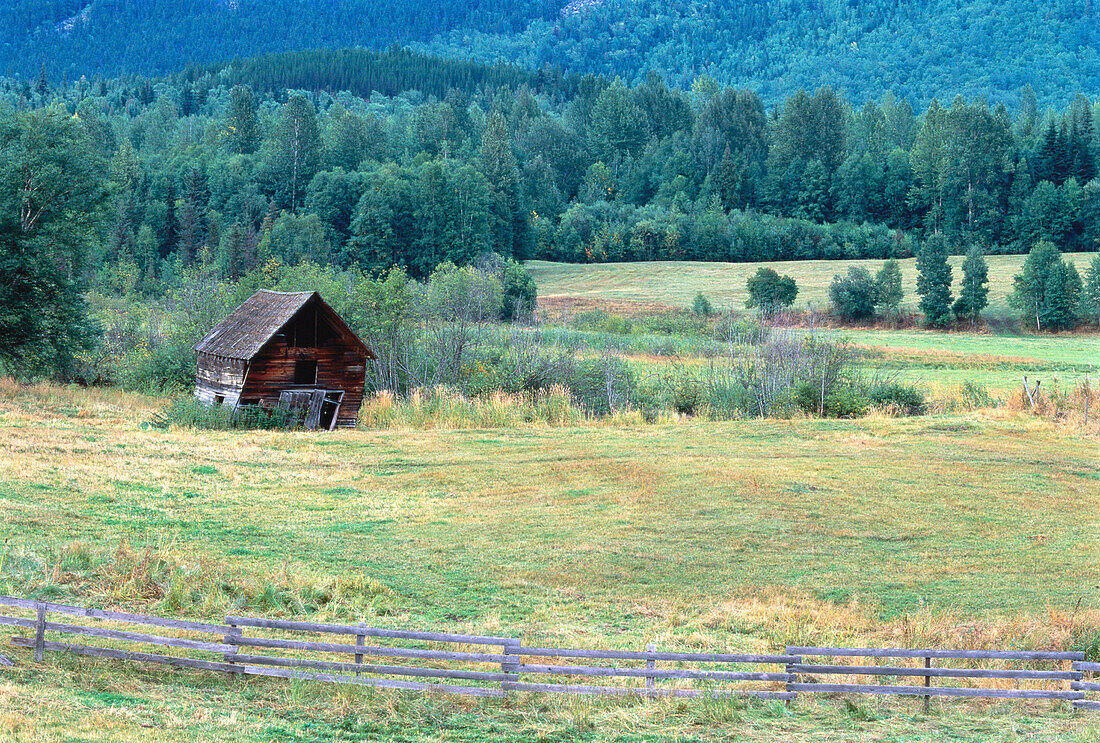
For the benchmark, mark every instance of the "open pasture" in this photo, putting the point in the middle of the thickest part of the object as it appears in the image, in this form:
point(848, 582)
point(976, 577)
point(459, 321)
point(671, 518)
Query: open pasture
point(960, 531)
point(675, 283)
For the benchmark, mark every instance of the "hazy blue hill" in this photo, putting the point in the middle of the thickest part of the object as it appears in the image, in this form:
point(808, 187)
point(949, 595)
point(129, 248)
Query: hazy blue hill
point(108, 37)
point(862, 47)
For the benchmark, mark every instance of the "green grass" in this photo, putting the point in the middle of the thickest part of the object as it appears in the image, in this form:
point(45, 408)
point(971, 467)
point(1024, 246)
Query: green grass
point(675, 283)
point(966, 531)
point(947, 360)
point(735, 536)
point(935, 360)
point(68, 702)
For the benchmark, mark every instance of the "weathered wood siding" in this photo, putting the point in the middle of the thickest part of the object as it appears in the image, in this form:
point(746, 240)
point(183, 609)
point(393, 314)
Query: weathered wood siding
point(340, 366)
point(217, 376)
point(312, 333)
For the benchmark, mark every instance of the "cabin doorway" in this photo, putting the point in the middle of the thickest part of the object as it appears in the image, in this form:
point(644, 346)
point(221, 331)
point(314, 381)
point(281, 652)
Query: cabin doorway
point(319, 408)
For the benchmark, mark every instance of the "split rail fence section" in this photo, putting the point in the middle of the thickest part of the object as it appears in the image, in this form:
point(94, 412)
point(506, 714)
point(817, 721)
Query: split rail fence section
point(492, 666)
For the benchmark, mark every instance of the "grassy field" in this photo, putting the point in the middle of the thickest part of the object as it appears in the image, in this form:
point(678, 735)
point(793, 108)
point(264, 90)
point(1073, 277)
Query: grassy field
point(971, 531)
point(940, 361)
point(676, 283)
point(935, 360)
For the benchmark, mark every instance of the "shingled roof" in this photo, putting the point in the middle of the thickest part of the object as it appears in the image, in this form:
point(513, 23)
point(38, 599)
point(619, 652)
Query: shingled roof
point(249, 327)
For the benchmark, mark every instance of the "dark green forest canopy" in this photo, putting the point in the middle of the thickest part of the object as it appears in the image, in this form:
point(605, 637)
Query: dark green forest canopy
point(371, 160)
point(864, 48)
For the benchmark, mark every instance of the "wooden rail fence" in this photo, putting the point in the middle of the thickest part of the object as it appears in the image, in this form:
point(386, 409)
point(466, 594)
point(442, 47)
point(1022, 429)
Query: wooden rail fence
point(492, 666)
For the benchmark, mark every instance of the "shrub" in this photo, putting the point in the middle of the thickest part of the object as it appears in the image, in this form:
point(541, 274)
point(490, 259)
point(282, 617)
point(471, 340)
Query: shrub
point(855, 295)
point(769, 291)
point(603, 386)
point(169, 367)
point(895, 395)
point(685, 394)
point(846, 400)
point(975, 395)
point(701, 306)
point(520, 292)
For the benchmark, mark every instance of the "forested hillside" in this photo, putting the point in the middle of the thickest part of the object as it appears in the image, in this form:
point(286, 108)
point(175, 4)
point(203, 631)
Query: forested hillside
point(111, 37)
point(136, 187)
point(445, 160)
point(863, 48)
point(916, 50)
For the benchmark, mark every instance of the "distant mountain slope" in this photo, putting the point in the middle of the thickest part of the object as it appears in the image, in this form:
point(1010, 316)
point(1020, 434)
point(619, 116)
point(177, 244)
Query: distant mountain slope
point(110, 37)
point(863, 47)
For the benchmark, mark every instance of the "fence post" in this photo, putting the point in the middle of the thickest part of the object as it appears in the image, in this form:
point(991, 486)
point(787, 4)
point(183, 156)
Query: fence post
point(360, 641)
point(39, 631)
point(787, 684)
point(231, 639)
point(650, 665)
point(510, 664)
point(927, 683)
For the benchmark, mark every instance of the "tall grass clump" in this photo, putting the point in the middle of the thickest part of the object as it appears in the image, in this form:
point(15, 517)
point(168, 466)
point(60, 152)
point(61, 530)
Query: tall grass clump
point(447, 408)
point(1077, 403)
point(167, 580)
point(189, 412)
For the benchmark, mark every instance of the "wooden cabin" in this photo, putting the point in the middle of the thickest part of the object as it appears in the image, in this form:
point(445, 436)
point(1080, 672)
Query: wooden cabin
point(287, 347)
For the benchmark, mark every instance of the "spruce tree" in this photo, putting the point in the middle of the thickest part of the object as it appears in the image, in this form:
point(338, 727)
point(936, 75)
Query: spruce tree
point(242, 127)
point(934, 281)
point(890, 292)
point(42, 84)
point(974, 295)
point(1090, 292)
point(727, 182)
point(1063, 291)
point(1047, 290)
point(498, 165)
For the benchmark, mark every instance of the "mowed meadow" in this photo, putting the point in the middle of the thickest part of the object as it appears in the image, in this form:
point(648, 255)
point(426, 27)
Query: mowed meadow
point(937, 361)
point(975, 530)
point(675, 283)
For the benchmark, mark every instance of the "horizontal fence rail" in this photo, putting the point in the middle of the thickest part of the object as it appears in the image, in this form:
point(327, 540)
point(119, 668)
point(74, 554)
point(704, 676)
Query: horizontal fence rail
point(1072, 688)
point(494, 666)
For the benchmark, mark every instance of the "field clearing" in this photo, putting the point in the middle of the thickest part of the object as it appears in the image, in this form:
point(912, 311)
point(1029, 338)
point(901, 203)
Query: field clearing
point(998, 362)
point(936, 361)
point(675, 283)
point(963, 530)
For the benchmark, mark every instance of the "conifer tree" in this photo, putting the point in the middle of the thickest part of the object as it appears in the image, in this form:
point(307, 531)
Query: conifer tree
point(242, 127)
point(934, 281)
point(1047, 289)
point(974, 295)
point(497, 163)
point(1090, 294)
point(890, 291)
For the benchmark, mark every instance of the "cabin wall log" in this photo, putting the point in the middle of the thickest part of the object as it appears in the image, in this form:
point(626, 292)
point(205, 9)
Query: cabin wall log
point(272, 371)
point(219, 377)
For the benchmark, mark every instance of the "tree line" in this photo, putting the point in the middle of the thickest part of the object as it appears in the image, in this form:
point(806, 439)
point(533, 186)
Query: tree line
point(585, 169)
point(204, 168)
point(1049, 292)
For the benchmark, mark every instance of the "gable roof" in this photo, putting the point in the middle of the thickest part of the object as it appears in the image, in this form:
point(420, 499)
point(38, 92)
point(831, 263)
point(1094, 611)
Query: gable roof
point(259, 318)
